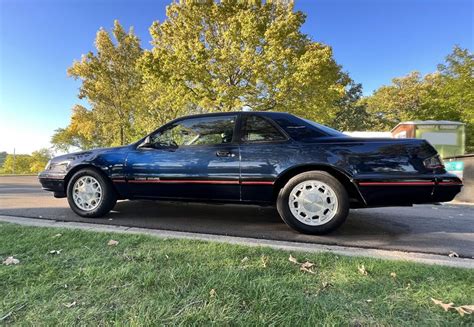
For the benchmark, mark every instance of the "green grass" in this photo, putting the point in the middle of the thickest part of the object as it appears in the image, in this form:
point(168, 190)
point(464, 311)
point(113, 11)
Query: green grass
point(150, 281)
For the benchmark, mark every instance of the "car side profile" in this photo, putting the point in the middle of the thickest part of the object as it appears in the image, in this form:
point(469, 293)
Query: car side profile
point(312, 173)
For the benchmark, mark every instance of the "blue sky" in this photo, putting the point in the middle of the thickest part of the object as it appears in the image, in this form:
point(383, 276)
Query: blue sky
point(373, 40)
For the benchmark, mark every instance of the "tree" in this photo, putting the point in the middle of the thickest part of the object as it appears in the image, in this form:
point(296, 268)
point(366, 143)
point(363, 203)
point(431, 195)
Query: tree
point(456, 94)
point(403, 100)
point(443, 95)
point(82, 132)
point(221, 56)
point(39, 159)
point(351, 114)
point(3, 156)
point(111, 84)
point(17, 164)
point(26, 164)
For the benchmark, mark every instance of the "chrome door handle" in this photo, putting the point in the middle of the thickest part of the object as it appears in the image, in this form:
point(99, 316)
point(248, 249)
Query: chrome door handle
point(222, 153)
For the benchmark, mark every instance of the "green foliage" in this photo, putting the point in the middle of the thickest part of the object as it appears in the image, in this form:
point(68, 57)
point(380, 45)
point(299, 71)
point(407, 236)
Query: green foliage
point(17, 164)
point(26, 164)
point(3, 156)
point(351, 114)
point(111, 84)
point(82, 132)
point(39, 159)
point(207, 56)
point(403, 100)
point(211, 56)
point(455, 96)
point(444, 95)
point(223, 56)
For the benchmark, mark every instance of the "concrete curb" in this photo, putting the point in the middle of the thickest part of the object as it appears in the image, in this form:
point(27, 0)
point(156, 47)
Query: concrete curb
point(18, 175)
point(430, 259)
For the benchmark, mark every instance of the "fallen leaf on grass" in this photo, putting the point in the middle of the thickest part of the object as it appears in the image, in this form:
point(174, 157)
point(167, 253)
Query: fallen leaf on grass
point(368, 300)
point(308, 270)
point(264, 260)
point(326, 285)
point(453, 254)
point(462, 309)
point(307, 264)
point(465, 309)
point(293, 259)
point(445, 306)
point(112, 243)
point(362, 270)
point(11, 261)
point(393, 275)
point(70, 305)
point(55, 251)
point(245, 259)
point(57, 235)
point(212, 293)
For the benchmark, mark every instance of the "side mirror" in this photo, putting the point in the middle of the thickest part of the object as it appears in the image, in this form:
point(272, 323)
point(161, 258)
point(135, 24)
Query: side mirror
point(146, 143)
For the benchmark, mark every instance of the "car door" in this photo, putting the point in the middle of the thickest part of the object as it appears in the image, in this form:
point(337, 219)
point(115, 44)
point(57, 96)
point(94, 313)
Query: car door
point(265, 151)
point(193, 158)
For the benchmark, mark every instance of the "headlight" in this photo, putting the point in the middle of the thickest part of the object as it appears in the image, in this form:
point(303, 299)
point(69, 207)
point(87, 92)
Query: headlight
point(48, 165)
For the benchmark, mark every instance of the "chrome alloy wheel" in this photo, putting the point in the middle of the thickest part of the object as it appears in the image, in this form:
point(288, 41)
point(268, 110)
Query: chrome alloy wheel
point(313, 202)
point(87, 193)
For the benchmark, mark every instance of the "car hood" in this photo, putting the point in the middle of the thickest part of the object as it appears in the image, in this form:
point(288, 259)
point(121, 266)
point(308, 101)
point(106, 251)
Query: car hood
point(88, 153)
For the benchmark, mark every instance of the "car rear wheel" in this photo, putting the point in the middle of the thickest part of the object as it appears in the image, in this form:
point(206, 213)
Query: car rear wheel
point(90, 194)
point(313, 203)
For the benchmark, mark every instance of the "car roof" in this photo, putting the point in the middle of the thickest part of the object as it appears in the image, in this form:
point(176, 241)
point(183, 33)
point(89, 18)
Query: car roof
point(231, 113)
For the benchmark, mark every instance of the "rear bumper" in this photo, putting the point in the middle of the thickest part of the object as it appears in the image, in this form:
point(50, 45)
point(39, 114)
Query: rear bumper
point(407, 191)
point(53, 183)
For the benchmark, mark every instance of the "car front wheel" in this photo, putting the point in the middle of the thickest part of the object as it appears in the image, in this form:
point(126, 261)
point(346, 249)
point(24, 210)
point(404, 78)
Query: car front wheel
point(313, 203)
point(90, 194)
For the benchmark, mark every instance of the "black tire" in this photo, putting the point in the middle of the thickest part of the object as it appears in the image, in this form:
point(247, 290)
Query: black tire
point(107, 201)
point(340, 192)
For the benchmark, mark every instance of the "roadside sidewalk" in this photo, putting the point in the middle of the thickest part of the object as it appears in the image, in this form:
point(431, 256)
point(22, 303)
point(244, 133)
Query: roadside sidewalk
point(431, 259)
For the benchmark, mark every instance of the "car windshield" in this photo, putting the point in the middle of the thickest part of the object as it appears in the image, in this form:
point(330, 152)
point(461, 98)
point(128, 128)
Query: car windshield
point(328, 130)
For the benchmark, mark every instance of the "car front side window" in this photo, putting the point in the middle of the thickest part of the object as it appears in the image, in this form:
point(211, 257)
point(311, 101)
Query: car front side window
point(196, 131)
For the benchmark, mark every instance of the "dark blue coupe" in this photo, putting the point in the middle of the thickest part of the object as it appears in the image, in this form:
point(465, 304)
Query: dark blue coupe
point(312, 173)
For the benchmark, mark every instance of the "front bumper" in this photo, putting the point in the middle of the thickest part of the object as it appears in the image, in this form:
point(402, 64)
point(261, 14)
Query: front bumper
point(53, 183)
point(400, 191)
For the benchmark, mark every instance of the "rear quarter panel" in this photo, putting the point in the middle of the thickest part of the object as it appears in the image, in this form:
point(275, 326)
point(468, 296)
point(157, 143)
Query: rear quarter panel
point(385, 171)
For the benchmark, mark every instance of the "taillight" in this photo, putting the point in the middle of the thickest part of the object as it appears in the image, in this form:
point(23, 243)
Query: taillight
point(433, 162)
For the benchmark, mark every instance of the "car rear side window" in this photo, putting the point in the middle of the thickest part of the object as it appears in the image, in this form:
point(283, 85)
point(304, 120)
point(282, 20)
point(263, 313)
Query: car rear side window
point(304, 130)
point(258, 129)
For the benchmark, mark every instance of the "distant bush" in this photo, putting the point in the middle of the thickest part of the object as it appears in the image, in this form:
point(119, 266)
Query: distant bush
point(3, 156)
point(25, 163)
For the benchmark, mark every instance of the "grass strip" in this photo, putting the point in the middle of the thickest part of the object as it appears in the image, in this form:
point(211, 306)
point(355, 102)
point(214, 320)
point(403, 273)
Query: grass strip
point(73, 277)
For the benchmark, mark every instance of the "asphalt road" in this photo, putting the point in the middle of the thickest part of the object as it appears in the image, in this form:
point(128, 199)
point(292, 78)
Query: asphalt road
point(437, 229)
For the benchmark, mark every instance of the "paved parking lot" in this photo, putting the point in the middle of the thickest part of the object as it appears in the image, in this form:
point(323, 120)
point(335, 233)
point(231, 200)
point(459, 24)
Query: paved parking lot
point(437, 229)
